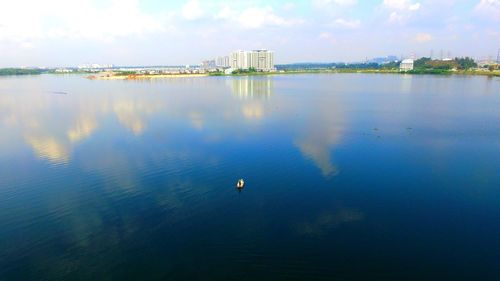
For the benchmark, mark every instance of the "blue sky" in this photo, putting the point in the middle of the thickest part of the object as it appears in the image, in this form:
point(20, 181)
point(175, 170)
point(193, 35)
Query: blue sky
point(133, 32)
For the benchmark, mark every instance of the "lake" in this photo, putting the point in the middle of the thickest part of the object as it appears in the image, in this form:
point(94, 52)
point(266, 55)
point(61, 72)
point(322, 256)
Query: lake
point(348, 177)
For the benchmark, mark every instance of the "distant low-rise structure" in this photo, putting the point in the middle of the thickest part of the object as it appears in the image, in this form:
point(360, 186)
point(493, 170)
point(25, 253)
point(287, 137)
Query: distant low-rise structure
point(486, 62)
point(406, 65)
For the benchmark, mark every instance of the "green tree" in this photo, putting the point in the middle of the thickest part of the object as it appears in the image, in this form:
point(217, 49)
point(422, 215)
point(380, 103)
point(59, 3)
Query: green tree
point(422, 63)
point(465, 63)
point(19, 71)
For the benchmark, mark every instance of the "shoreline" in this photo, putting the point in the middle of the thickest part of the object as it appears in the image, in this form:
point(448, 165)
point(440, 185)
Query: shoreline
point(143, 76)
point(318, 71)
point(364, 71)
point(376, 71)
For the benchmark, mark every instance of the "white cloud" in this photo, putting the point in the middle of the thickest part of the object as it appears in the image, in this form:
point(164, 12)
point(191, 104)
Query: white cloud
point(27, 45)
point(225, 13)
point(345, 2)
point(258, 17)
point(423, 37)
point(414, 7)
point(400, 10)
point(192, 10)
point(53, 19)
point(395, 17)
point(489, 9)
point(327, 36)
point(347, 23)
point(401, 5)
point(322, 3)
point(289, 6)
point(255, 17)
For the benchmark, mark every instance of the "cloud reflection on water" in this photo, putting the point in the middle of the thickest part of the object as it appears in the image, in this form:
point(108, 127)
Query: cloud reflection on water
point(55, 125)
point(49, 148)
point(321, 132)
point(84, 127)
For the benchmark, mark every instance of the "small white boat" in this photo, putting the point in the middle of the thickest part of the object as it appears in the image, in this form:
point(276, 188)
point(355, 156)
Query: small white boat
point(240, 183)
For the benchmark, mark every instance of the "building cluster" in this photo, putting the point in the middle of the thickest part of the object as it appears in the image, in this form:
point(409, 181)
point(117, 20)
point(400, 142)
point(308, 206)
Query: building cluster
point(259, 60)
point(408, 64)
point(162, 70)
point(222, 62)
point(63, 70)
point(209, 64)
point(262, 60)
point(95, 66)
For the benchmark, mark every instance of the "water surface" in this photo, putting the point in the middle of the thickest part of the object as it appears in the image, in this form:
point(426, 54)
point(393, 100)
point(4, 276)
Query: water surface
point(349, 177)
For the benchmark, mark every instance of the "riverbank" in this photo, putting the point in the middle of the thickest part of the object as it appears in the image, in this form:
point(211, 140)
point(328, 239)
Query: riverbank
point(19, 71)
point(111, 75)
point(495, 73)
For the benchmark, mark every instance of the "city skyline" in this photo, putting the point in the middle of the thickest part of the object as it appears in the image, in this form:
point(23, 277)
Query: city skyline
point(58, 33)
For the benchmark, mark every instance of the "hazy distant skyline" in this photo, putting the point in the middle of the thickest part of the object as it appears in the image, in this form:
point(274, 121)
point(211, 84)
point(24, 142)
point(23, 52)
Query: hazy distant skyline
point(131, 32)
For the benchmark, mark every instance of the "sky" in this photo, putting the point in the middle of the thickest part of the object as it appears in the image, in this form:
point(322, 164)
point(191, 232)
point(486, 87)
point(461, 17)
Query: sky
point(166, 32)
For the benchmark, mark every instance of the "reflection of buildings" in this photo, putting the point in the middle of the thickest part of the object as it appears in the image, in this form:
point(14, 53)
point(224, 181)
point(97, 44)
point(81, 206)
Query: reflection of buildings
point(406, 83)
point(251, 87)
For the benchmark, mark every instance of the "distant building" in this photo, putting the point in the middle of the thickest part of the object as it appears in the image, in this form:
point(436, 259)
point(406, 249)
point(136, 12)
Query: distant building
point(486, 62)
point(207, 64)
point(222, 62)
point(63, 70)
point(384, 60)
point(239, 60)
point(261, 60)
point(406, 65)
point(95, 66)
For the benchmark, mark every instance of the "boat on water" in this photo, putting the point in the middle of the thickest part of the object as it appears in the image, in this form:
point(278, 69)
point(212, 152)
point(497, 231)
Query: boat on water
point(240, 183)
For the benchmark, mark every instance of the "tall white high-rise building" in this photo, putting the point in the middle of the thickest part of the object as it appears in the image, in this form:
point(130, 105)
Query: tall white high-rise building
point(222, 61)
point(262, 60)
point(239, 60)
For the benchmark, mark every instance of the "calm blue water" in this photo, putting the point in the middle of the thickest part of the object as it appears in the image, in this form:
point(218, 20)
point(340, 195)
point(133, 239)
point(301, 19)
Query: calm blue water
point(348, 177)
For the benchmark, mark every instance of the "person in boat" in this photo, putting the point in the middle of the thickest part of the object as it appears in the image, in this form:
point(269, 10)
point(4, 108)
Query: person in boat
point(240, 183)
